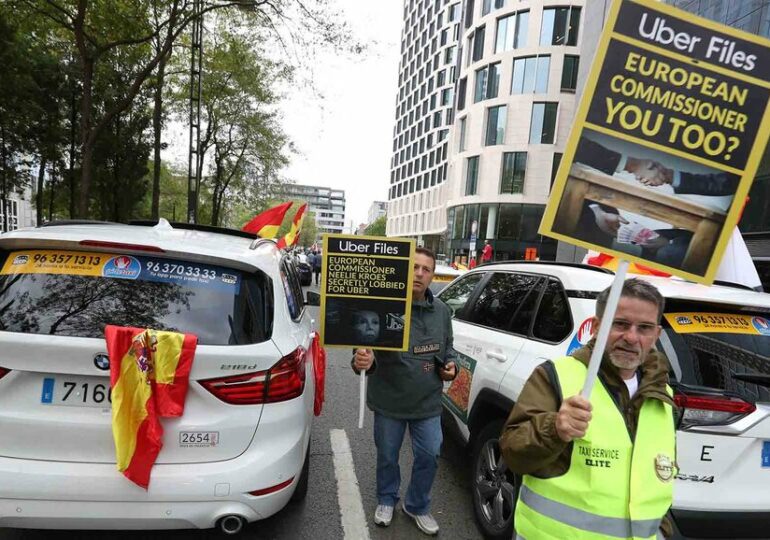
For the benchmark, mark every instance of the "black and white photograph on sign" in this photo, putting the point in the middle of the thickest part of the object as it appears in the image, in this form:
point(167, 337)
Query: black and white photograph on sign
point(358, 322)
point(647, 203)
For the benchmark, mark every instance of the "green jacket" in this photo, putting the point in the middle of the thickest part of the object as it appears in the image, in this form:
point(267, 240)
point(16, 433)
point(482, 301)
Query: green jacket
point(405, 384)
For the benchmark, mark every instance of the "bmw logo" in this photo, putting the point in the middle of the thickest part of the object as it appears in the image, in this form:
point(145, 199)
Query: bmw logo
point(102, 361)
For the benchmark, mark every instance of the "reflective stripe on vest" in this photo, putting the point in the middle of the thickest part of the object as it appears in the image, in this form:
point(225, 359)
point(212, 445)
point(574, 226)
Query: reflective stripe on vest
point(613, 488)
point(617, 527)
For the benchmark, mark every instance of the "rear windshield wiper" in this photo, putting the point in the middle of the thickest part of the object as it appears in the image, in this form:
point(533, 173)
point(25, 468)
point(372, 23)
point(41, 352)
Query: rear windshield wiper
point(756, 378)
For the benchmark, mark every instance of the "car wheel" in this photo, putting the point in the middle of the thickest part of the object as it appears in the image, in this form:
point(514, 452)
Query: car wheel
point(495, 488)
point(302, 485)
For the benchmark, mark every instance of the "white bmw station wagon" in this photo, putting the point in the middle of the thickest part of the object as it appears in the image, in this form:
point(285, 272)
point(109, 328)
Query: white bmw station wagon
point(239, 452)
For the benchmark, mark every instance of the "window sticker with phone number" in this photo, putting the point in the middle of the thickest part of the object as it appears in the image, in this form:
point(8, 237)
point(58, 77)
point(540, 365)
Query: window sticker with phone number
point(114, 266)
point(725, 323)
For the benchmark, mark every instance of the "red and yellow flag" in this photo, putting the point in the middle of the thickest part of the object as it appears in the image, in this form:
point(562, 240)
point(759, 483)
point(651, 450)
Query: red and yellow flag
point(267, 223)
point(611, 263)
point(292, 237)
point(149, 372)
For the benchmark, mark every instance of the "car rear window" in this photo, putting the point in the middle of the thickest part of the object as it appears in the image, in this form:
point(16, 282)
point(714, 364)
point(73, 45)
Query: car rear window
point(722, 348)
point(77, 293)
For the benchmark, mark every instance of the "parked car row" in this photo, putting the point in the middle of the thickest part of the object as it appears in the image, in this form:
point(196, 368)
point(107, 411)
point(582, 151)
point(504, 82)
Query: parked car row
point(511, 317)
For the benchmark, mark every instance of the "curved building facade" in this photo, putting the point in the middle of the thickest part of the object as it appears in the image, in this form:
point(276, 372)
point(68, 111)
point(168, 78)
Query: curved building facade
point(517, 72)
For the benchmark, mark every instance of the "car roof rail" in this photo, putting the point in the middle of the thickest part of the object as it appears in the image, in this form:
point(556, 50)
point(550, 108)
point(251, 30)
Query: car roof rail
point(64, 222)
point(196, 227)
point(734, 285)
point(553, 263)
point(259, 241)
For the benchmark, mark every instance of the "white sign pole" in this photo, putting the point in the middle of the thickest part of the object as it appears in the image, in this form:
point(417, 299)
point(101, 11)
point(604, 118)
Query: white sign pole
point(604, 328)
point(362, 400)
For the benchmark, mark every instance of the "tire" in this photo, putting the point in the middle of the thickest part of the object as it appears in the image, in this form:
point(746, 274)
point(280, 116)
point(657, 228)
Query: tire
point(495, 489)
point(302, 484)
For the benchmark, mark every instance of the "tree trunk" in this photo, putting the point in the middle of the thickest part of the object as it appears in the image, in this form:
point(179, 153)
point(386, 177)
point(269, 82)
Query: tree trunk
point(52, 192)
point(87, 142)
point(39, 195)
point(73, 119)
point(157, 125)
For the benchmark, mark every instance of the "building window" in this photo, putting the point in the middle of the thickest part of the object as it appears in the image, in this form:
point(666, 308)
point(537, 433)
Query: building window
point(461, 147)
point(543, 127)
point(471, 175)
point(555, 168)
point(461, 94)
point(9, 215)
point(487, 82)
point(569, 74)
point(454, 12)
point(560, 26)
point(478, 43)
point(530, 74)
point(512, 31)
point(495, 125)
point(514, 169)
point(446, 97)
point(468, 14)
point(449, 54)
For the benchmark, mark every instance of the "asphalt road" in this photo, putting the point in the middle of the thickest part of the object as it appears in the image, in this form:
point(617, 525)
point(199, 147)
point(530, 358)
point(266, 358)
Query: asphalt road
point(320, 515)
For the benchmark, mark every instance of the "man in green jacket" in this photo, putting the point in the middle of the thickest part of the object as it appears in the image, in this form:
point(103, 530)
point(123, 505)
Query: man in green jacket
point(405, 390)
point(575, 456)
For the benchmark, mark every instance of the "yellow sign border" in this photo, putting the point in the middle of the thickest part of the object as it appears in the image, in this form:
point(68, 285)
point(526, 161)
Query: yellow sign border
point(408, 299)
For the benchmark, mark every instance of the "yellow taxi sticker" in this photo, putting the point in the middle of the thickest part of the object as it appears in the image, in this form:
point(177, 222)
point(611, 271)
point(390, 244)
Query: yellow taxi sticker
point(78, 263)
point(726, 323)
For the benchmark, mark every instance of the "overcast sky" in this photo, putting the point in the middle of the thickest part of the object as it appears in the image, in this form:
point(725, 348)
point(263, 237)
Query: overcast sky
point(345, 139)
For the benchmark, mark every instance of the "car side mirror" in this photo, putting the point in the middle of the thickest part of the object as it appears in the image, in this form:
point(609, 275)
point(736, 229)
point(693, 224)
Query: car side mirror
point(313, 299)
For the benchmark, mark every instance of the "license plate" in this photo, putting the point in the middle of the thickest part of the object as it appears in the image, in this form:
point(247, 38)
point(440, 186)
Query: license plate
point(198, 439)
point(76, 392)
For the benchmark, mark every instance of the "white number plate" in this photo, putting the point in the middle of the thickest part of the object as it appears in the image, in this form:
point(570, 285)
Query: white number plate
point(198, 439)
point(76, 392)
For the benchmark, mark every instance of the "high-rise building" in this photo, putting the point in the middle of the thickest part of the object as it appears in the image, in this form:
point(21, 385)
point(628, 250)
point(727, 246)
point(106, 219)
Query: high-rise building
point(376, 210)
point(424, 114)
point(487, 93)
point(516, 98)
point(327, 204)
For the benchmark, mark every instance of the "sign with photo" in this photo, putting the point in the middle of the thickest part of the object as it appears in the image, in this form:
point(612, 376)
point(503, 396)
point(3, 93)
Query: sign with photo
point(366, 292)
point(666, 142)
point(456, 397)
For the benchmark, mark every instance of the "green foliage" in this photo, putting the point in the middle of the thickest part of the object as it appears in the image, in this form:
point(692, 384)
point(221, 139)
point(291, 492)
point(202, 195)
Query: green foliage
point(377, 227)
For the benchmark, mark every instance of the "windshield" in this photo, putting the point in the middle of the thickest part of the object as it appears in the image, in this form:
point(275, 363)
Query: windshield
point(75, 293)
point(720, 348)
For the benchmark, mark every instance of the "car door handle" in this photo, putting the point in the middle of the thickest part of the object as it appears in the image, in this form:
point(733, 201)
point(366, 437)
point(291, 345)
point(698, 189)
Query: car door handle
point(500, 357)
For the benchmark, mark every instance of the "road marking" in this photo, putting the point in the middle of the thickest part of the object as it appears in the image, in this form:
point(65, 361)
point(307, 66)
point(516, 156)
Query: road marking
point(348, 494)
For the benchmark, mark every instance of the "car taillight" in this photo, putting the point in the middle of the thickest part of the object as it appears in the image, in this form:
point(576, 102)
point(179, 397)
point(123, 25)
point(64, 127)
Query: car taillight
point(282, 382)
point(4, 372)
point(711, 410)
point(272, 489)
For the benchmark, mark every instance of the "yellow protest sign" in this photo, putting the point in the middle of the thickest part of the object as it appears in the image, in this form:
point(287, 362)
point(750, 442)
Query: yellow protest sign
point(666, 142)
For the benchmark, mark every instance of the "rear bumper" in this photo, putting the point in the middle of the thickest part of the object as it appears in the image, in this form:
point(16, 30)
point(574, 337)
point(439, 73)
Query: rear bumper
point(62, 495)
point(722, 525)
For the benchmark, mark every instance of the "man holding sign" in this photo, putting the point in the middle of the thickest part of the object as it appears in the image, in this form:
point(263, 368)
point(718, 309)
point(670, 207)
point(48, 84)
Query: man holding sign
point(405, 390)
point(604, 467)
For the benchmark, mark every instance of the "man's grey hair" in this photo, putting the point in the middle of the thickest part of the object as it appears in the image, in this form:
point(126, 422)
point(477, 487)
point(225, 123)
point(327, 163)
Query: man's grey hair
point(633, 288)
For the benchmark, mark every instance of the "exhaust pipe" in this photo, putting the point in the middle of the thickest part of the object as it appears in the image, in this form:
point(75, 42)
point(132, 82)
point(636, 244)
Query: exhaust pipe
point(231, 524)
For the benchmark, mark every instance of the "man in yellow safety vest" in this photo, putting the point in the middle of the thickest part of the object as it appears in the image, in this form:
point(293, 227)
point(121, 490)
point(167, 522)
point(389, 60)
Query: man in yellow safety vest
point(602, 468)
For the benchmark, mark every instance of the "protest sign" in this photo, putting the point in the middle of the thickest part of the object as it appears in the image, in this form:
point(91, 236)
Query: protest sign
point(366, 294)
point(668, 136)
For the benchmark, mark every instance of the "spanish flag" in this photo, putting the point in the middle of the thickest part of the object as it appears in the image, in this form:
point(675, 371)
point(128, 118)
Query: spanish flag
point(149, 373)
point(292, 237)
point(267, 223)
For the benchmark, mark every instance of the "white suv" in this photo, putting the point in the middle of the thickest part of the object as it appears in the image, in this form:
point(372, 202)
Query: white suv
point(511, 317)
point(240, 451)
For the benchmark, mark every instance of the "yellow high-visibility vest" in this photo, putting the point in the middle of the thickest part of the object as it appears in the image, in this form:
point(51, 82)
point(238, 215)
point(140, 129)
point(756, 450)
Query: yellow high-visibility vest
point(614, 487)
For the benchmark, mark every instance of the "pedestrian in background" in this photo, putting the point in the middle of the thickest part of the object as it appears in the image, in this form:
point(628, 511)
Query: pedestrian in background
point(603, 468)
point(317, 262)
point(405, 391)
point(486, 253)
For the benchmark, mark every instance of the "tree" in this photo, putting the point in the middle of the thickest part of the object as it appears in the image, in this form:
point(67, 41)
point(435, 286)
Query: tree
point(377, 227)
